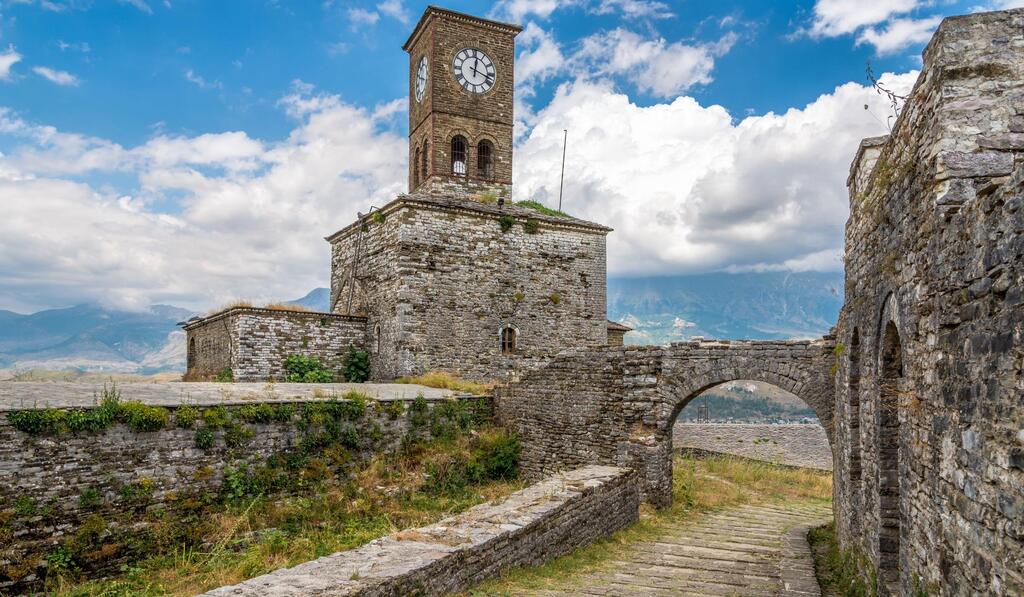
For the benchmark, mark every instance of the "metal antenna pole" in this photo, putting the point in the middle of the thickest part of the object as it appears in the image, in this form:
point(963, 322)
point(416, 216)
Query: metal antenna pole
point(561, 181)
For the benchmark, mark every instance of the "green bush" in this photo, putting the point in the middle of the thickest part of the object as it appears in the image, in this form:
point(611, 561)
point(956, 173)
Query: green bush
point(506, 223)
point(236, 435)
point(417, 412)
point(204, 438)
point(225, 375)
point(216, 417)
point(499, 455)
point(257, 413)
point(142, 417)
point(186, 416)
point(356, 365)
point(302, 369)
point(531, 226)
point(109, 410)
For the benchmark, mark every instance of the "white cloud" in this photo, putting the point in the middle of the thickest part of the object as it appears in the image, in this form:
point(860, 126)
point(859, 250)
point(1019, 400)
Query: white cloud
point(249, 220)
point(1007, 4)
point(59, 77)
point(540, 55)
point(839, 17)
point(200, 82)
point(394, 9)
point(517, 10)
point(139, 4)
point(689, 190)
point(635, 8)
point(653, 64)
point(898, 34)
point(8, 59)
point(360, 17)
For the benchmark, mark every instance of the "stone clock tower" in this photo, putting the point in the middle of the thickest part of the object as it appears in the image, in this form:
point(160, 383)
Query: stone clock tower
point(461, 85)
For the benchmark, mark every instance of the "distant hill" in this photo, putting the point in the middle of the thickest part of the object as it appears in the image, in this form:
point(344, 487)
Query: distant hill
point(757, 306)
point(747, 401)
point(768, 305)
point(90, 337)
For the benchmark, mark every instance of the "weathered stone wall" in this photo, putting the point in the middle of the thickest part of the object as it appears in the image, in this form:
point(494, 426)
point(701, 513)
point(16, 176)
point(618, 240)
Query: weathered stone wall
point(50, 485)
point(792, 445)
point(530, 527)
point(617, 405)
point(254, 343)
point(439, 279)
point(930, 422)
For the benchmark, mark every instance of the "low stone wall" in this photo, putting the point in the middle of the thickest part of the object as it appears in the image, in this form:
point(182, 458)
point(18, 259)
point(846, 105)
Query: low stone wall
point(529, 527)
point(793, 445)
point(55, 482)
point(254, 343)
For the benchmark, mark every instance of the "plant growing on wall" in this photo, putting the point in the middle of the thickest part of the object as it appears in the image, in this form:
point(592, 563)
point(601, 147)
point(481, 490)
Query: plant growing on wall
point(302, 369)
point(356, 365)
point(531, 226)
point(225, 375)
point(506, 223)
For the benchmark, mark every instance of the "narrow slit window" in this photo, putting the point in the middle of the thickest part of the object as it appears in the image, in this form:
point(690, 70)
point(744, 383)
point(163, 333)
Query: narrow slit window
point(508, 340)
point(425, 163)
point(415, 169)
point(459, 156)
point(484, 159)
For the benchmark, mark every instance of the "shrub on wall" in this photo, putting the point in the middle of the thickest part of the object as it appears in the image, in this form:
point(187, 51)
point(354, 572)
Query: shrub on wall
point(506, 223)
point(531, 226)
point(303, 369)
point(356, 365)
point(109, 410)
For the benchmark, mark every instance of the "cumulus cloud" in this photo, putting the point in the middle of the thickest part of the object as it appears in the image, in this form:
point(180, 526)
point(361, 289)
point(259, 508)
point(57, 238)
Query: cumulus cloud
point(839, 17)
point(360, 17)
point(59, 77)
point(898, 34)
point(690, 190)
point(520, 10)
point(517, 10)
point(8, 58)
point(394, 9)
point(653, 64)
point(248, 216)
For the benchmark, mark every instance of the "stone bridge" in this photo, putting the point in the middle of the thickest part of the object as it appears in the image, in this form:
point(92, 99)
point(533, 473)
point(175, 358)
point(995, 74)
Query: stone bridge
point(617, 405)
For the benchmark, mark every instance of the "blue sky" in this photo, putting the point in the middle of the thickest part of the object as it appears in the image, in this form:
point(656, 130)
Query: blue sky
point(145, 136)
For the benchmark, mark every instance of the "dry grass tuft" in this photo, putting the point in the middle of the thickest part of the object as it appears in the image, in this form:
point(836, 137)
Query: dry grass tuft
point(286, 307)
point(447, 381)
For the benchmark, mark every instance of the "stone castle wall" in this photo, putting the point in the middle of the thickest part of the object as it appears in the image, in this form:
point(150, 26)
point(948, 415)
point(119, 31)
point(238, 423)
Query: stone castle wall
point(50, 485)
point(929, 420)
point(254, 343)
point(529, 527)
point(438, 279)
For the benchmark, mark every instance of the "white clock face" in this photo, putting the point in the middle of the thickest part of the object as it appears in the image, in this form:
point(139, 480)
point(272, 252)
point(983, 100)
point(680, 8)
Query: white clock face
point(421, 79)
point(473, 70)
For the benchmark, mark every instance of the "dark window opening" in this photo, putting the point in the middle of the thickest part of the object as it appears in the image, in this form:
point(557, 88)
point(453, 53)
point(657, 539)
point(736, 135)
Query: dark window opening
point(415, 169)
point(459, 156)
point(508, 340)
point(425, 164)
point(484, 159)
point(853, 387)
point(376, 332)
point(888, 438)
point(191, 353)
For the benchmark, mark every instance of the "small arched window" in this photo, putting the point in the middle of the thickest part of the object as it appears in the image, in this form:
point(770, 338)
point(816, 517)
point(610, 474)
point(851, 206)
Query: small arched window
point(425, 163)
point(484, 159)
point(416, 169)
point(508, 340)
point(191, 353)
point(459, 156)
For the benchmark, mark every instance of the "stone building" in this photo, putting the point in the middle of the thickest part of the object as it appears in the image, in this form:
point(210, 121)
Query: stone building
point(452, 276)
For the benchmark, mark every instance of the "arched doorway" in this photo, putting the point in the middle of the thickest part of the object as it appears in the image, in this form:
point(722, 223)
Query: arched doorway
point(888, 441)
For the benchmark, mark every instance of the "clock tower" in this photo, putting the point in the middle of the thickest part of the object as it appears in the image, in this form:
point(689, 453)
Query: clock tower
point(461, 84)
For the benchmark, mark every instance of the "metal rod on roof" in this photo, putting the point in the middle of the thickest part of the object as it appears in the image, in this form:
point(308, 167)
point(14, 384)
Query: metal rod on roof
point(561, 181)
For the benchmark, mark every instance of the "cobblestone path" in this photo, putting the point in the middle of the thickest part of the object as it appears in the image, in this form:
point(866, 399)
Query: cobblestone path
point(741, 551)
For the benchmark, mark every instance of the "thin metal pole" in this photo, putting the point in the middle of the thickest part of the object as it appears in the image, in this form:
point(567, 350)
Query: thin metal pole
point(561, 181)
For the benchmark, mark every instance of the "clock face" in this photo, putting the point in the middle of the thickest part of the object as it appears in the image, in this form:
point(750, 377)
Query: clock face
point(473, 70)
point(421, 79)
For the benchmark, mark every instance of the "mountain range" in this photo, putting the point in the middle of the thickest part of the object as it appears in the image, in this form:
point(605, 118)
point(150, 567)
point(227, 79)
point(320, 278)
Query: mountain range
point(748, 305)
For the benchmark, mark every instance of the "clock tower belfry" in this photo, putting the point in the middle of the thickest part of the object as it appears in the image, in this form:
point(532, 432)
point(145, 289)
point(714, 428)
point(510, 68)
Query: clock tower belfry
point(461, 83)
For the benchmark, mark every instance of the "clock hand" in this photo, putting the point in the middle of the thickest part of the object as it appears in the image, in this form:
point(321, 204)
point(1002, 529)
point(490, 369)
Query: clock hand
point(475, 62)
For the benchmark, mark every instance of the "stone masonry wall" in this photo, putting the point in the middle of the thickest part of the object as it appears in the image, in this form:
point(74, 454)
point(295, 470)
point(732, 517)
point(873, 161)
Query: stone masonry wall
point(530, 527)
point(929, 419)
point(792, 445)
point(254, 343)
point(617, 405)
point(123, 471)
point(439, 279)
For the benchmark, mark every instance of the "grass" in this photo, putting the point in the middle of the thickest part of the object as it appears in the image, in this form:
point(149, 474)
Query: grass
point(286, 307)
point(835, 568)
point(699, 486)
point(543, 209)
point(261, 534)
point(447, 381)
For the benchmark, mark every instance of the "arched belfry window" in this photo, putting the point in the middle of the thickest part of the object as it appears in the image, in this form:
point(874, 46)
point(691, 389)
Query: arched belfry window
point(484, 159)
point(425, 163)
point(416, 169)
point(459, 156)
point(508, 340)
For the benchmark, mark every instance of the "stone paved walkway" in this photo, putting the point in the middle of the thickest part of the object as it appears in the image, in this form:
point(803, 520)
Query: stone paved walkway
point(747, 550)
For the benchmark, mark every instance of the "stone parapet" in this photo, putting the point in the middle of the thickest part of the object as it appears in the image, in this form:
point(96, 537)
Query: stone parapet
point(543, 521)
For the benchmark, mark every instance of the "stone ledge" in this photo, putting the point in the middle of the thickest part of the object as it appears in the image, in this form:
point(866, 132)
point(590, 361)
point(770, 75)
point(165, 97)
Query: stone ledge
point(536, 524)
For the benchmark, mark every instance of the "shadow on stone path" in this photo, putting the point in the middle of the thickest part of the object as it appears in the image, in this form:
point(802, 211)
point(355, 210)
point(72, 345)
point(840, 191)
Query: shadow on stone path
point(744, 550)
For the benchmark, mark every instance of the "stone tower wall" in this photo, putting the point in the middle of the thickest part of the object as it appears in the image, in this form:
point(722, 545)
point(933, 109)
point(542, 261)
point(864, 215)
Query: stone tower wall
point(439, 279)
point(448, 110)
point(934, 255)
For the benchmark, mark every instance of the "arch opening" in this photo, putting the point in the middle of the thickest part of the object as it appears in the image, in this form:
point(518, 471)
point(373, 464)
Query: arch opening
point(854, 469)
point(888, 441)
